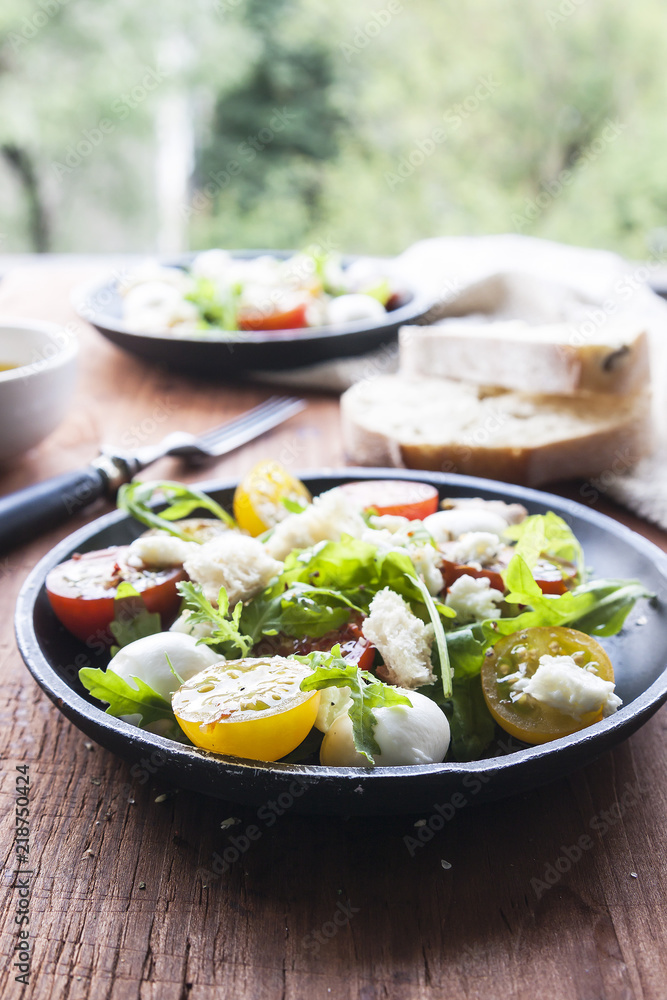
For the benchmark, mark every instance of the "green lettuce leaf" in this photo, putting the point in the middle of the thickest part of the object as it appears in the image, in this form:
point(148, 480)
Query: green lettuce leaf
point(598, 607)
point(135, 498)
point(357, 570)
point(300, 610)
point(305, 599)
point(466, 647)
point(366, 692)
point(546, 535)
point(470, 722)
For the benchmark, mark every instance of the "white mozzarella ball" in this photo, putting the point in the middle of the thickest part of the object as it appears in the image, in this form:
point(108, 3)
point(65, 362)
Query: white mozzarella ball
point(211, 264)
point(417, 735)
point(150, 272)
point(351, 308)
point(364, 273)
point(147, 659)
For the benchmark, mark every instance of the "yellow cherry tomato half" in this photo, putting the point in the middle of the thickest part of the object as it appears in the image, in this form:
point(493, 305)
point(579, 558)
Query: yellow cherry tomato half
point(258, 498)
point(250, 708)
point(521, 715)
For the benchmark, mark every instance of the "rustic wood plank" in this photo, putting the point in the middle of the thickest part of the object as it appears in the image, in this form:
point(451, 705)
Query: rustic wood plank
point(317, 907)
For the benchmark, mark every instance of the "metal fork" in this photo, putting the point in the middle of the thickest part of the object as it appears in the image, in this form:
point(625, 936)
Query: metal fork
point(198, 449)
point(42, 506)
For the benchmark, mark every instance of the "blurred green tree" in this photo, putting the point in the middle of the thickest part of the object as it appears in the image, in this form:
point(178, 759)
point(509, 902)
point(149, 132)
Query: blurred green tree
point(370, 124)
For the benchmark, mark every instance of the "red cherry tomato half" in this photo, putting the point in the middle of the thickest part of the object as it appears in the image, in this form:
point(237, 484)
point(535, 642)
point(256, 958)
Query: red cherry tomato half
point(394, 496)
point(356, 648)
point(555, 578)
point(82, 591)
point(290, 319)
point(353, 645)
point(548, 576)
point(451, 571)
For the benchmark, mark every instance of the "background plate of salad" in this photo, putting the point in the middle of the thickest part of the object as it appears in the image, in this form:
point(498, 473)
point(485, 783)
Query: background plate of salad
point(506, 765)
point(221, 311)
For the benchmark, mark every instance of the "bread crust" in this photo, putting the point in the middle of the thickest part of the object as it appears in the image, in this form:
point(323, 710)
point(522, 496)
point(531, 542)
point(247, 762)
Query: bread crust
point(552, 359)
point(611, 442)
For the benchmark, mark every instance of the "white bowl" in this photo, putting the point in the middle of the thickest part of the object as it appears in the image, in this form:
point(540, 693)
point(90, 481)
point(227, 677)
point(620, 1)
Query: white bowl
point(34, 395)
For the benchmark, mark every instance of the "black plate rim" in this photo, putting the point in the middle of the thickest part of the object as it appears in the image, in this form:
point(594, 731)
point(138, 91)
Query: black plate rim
point(410, 312)
point(79, 710)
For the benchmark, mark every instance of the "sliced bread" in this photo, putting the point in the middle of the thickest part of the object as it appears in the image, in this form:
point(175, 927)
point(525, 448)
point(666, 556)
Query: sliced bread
point(559, 358)
point(451, 426)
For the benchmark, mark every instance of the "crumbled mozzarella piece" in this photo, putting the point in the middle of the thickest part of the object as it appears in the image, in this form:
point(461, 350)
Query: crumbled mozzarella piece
point(236, 562)
point(560, 683)
point(157, 305)
point(405, 735)
point(211, 264)
point(354, 308)
point(473, 599)
point(200, 630)
point(427, 561)
point(392, 533)
point(445, 525)
point(159, 551)
point(390, 522)
point(479, 547)
point(403, 639)
point(330, 516)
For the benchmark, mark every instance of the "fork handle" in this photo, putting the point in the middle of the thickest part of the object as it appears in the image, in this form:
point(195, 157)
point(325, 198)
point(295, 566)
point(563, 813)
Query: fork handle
point(37, 508)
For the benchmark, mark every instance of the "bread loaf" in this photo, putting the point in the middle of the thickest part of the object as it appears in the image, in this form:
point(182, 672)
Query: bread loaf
point(553, 359)
point(451, 426)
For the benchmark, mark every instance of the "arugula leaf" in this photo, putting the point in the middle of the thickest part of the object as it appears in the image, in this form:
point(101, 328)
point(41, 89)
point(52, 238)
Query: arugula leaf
point(546, 535)
point(135, 498)
point(226, 631)
point(366, 692)
point(440, 640)
point(132, 619)
point(124, 699)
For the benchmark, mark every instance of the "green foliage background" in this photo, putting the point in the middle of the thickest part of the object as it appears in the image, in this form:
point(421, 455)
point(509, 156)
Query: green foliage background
point(401, 119)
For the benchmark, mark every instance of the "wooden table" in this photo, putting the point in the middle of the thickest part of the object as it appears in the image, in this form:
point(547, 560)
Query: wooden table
point(121, 906)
